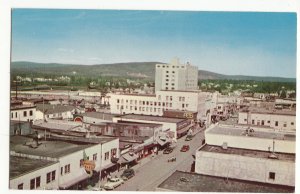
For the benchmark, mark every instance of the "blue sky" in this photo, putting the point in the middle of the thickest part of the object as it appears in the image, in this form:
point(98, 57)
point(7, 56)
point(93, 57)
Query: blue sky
point(244, 43)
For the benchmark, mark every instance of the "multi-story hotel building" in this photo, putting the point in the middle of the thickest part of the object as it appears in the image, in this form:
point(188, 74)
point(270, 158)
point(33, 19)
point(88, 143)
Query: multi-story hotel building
point(176, 76)
point(194, 101)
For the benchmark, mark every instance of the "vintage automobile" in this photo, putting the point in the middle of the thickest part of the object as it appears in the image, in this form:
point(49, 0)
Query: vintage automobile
point(172, 159)
point(113, 183)
point(188, 138)
point(168, 150)
point(185, 148)
point(127, 174)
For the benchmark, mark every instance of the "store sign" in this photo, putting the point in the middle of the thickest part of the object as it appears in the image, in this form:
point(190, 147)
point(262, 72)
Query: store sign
point(89, 165)
point(188, 115)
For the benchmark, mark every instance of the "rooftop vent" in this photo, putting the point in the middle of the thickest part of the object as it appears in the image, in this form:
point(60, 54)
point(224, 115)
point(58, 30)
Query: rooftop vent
point(273, 156)
point(224, 146)
point(183, 179)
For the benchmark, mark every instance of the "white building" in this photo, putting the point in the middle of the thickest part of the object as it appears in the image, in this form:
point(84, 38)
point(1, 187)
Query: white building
point(23, 113)
point(234, 152)
point(176, 76)
point(28, 174)
point(282, 120)
point(195, 101)
point(69, 153)
point(52, 111)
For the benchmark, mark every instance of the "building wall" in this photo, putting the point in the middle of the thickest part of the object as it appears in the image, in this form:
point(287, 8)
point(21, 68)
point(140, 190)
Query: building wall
point(165, 125)
point(163, 100)
point(25, 179)
point(253, 143)
point(176, 76)
point(276, 121)
point(245, 168)
point(19, 115)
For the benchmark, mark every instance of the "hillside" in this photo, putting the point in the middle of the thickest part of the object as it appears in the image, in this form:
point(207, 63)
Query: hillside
point(133, 69)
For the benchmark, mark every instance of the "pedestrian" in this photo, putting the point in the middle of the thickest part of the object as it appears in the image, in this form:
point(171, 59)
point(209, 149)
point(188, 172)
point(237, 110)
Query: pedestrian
point(108, 177)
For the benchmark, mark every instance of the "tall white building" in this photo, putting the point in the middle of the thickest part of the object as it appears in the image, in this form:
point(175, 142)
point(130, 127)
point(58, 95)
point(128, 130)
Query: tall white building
point(176, 76)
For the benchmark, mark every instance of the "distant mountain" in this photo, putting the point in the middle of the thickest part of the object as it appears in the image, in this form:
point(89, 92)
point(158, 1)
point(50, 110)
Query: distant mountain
point(133, 69)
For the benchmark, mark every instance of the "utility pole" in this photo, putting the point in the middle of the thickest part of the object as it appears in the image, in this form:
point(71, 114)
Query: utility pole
point(16, 84)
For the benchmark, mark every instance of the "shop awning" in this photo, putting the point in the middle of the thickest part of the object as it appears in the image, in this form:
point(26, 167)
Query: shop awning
point(74, 180)
point(162, 142)
point(183, 130)
point(128, 157)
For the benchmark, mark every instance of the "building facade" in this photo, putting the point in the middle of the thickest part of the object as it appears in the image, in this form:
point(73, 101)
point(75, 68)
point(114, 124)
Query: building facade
point(176, 76)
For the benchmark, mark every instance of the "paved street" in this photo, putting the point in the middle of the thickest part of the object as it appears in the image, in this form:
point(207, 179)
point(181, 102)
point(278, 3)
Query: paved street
point(151, 174)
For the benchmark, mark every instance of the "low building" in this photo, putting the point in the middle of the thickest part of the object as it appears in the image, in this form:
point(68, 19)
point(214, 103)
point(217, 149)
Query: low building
point(175, 127)
point(20, 128)
point(23, 113)
point(282, 120)
point(245, 138)
point(50, 111)
point(248, 154)
point(94, 117)
point(70, 153)
point(192, 182)
point(28, 174)
point(246, 164)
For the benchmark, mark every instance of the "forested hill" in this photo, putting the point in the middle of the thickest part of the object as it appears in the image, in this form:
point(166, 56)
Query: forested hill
point(132, 69)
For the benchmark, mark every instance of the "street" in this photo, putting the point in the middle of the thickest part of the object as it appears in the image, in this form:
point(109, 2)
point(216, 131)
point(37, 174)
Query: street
point(151, 174)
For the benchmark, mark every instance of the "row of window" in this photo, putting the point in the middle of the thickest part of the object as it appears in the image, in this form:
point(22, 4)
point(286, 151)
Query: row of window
point(167, 66)
point(262, 122)
point(25, 113)
point(36, 182)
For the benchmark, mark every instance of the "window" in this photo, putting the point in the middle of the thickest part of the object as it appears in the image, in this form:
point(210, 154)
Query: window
point(276, 123)
point(32, 184)
point(20, 186)
point(94, 157)
point(173, 71)
point(245, 119)
point(24, 113)
point(81, 163)
point(48, 177)
point(12, 115)
point(272, 175)
point(167, 80)
point(167, 71)
point(118, 101)
point(182, 105)
point(262, 122)
point(113, 152)
point(30, 113)
point(67, 168)
point(253, 122)
point(268, 121)
point(167, 88)
point(53, 175)
point(16, 114)
point(292, 123)
point(284, 125)
point(106, 155)
point(37, 182)
point(61, 171)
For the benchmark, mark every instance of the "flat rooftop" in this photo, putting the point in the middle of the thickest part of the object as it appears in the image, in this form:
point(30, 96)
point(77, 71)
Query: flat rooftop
point(126, 94)
point(204, 183)
point(20, 107)
point(19, 165)
point(99, 115)
point(54, 149)
point(239, 131)
point(152, 118)
point(247, 152)
point(272, 111)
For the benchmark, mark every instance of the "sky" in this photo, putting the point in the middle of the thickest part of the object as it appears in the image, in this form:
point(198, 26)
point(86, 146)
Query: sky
point(232, 43)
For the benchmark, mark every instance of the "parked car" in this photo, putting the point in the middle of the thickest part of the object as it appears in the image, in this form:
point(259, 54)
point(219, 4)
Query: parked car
point(185, 148)
point(188, 138)
point(113, 183)
point(127, 174)
point(168, 150)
